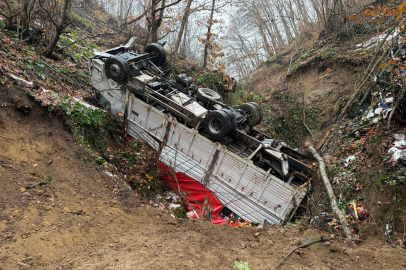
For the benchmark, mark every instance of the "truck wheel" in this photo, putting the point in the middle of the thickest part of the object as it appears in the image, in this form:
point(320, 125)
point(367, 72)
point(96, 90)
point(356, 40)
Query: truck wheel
point(206, 95)
point(233, 119)
point(255, 110)
point(218, 124)
point(159, 51)
point(116, 68)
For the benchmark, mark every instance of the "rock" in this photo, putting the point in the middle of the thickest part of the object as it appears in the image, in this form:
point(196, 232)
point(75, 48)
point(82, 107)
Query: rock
point(66, 210)
point(111, 245)
point(26, 194)
point(28, 260)
point(24, 265)
point(22, 189)
point(306, 239)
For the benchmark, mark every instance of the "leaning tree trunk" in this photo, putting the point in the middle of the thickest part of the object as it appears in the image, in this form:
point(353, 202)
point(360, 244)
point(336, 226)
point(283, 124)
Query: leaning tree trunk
point(182, 26)
point(50, 50)
point(59, 28)
point(206, 45)
point(330, 192)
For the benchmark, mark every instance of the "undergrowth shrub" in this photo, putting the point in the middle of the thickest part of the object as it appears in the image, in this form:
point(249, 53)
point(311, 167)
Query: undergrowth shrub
point(138, 165)
point(286, 125)
point(89, 127)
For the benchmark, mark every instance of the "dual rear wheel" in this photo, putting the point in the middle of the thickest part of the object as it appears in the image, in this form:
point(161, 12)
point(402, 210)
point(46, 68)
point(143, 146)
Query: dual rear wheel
point(222, 123)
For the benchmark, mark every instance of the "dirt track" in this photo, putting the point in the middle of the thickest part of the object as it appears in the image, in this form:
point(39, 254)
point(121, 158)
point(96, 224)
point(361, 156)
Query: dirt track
point(80, 221)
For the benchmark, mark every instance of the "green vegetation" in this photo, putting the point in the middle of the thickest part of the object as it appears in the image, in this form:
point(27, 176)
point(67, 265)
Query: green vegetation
point(241, 265)
point(49, 179)
point(286, 125)
point(90, 127)
point(179, 212)
point(139, 164)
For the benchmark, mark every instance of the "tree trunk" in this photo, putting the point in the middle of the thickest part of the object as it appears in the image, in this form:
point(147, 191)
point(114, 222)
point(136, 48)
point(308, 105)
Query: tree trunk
point(50, 50)
point(184, 39)
point(206, 45)
point(274, 26)
point(302, 11)
point(344, 223)
point(260, 23)
point(10, 17)
point(292, 20)
point(153, 27)
point(182, 26)
point(120, 11)
point(284, 22)
point(59, 27)
point(317, 9)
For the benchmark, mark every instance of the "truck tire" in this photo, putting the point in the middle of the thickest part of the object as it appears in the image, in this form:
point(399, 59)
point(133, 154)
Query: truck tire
point(159, 51)
point(218, 124)
point(116, 68)
point(206, 95)
point(255, 110)
point(233, 119)
point(260, 110)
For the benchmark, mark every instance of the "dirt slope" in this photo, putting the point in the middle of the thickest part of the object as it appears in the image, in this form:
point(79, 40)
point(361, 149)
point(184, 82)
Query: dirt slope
point(86, 220)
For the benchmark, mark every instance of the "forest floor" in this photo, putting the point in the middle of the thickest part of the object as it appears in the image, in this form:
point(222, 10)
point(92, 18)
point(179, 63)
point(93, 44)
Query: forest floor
point(58, 213)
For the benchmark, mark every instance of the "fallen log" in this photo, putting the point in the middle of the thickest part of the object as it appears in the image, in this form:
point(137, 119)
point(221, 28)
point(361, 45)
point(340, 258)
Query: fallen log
point(333, 202)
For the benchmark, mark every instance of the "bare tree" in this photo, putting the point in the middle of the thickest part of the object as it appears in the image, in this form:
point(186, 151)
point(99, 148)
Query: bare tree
point(185, 19)
point(155, 18)
point(13, 12)
point(27, 9)
point(60, 21)
point(208, 34)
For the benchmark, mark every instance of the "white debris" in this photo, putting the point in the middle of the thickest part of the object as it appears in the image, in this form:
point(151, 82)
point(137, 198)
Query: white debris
point(388, 100)
point(396, 153)
point(399, 136)
point(87, 105)
point(375, 40)
point(399, 143)
point(378, 110)
point(27, 83)
point(370, 114)
point(348, 160)
point(110, 174)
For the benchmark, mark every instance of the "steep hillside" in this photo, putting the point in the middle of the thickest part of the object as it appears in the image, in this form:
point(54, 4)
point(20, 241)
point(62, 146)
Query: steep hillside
point(85, 219)
point(305, 91)
point(61, 207)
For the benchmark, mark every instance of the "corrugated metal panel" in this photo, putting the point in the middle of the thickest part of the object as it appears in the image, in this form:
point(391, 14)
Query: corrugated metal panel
point(191, 143)
point(250, 181)
point(148, 117)
point(181, 163)
point(241, 204)
point(237, 183)
point(137, 132)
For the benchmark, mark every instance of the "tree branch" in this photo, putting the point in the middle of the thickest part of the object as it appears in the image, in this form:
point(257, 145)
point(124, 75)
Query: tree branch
point(136, 19)
point(49, 14)
point(172, 4)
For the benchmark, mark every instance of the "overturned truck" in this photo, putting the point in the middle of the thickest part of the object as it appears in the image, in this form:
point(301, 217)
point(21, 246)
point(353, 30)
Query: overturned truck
point(256, 177)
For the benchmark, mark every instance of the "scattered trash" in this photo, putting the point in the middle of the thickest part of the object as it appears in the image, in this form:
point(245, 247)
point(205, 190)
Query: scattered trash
point(348, 160)
point(171, 203)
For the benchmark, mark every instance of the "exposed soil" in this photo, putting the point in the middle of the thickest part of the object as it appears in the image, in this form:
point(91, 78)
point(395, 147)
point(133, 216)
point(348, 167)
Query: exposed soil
point(85, 220)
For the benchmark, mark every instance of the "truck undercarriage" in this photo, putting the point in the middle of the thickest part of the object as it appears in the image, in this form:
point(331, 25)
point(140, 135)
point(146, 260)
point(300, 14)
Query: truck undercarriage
point(163, 111)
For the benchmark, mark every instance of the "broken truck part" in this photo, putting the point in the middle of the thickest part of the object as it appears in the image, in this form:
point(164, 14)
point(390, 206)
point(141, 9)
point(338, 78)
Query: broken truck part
point(253, 175)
